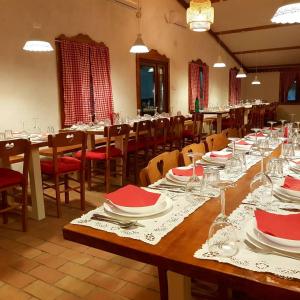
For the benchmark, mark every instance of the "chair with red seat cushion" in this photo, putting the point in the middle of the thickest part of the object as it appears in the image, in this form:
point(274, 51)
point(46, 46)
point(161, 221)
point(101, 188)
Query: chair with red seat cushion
point(160, 133)
point(176, 132)
point(60, 168)
point(12, 179)
point(115, 148)
point(139, 146)
point(194, 135)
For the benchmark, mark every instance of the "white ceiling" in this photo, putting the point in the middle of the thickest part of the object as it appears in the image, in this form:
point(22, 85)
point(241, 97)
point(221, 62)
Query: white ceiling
point(239, 14)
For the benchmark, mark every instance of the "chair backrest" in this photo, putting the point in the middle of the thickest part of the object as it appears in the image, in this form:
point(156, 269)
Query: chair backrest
point(142, 131)
point(143, 177)
point(216, 142)
point(117, 132)
point(67, 142)
point(14, 147)
point(161, 164)
point(161, 128)
point(177, 127)
point(192, 148)
point(231, 132)
point(197, 124)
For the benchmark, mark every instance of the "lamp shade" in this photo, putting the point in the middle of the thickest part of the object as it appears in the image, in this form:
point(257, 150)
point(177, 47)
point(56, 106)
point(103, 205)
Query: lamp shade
point(256, 81)
point(200, 15)
point(36, 41)
point(241, 73)
point(289, 13)
point(139, 46)
point(219, 63)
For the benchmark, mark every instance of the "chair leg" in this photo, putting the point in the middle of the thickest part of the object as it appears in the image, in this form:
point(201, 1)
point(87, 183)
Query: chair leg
point(89, 174)
point(135, 166)
point(82, 191)
point(107, 176)
point(4, 205)
point(24, 208)
point(66, 184)
point(57, 194)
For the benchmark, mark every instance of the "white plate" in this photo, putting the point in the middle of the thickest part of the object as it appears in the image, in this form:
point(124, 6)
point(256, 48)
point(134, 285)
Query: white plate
point(285, 197)
point(162, 208)
point(170, 178)
point(288, 192)
point(252, 231)
point(141, 210)
point(240, 147)
point(253, 137)
point(181, 178)
point(215, 160)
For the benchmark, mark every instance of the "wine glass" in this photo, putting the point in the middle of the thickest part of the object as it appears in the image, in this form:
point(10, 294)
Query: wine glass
point(282, 126)
point(36, 128)
point(222, 237)
point(210, 176)
point(261, 186)
point(271, 127)
point(193, 185)
point(256, 130)
point(156, 114)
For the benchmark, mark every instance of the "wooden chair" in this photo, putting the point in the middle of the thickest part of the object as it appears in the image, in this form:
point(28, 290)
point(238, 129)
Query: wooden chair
point(61, 166)
point(176, 132)
point(143, 178)
point(193, 148)
point(194, 135)
point(12, 179)
point(231, 132)
point(139, 146)
point(216, 142)
point(160, 132)
point(160, 165)
point(114, 150)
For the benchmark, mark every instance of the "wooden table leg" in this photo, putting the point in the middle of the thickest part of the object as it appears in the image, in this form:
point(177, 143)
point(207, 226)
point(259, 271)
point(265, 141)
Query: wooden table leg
point(219, 123)
point(179, 287)
point(163, 284)
point(36, 187)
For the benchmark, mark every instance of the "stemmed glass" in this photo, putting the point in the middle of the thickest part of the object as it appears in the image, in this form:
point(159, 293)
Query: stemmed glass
point(222, 237)
point(282, 126)
point(156, 114)
point(256, 130)
point(271, 127)
point(234, 165)
point(193, 185)
point(298, 125)
point(36, 128)
point(261, 186)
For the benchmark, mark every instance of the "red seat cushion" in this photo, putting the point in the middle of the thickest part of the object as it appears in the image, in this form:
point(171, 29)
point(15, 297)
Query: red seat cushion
point(64, 164)
point(10, 177)
point(188, 133)
point(141, 145)
point(100, 153)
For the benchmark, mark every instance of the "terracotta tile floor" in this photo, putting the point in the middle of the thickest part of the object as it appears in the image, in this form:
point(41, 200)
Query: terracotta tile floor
point(40, 264)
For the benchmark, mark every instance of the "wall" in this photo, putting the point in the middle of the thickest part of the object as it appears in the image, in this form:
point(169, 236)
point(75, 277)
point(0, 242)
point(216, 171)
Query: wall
point(28, 81)
point(268, 91)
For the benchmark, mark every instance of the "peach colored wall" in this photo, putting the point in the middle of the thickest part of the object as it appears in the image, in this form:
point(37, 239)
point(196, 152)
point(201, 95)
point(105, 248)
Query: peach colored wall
point(268, 91)
point(28, 81)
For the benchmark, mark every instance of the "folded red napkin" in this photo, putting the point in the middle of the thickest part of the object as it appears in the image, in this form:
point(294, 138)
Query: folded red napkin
point(259, 134)
point(132, 196)
point(188, 172)
point(282, 226)
point(291, 183)
point(242, 142)
point(218, 155)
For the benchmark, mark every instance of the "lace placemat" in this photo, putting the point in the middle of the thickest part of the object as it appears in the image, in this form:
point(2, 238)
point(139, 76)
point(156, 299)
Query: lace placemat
point(246, 258)
point(155, 227)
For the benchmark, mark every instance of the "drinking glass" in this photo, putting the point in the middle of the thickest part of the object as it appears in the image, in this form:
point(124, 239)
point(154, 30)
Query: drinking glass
point(222, 237)
point(275, 168)
point(156, 114)
point(261, 186)
point(292, 117)
point(8, 134)
point(2, 136)
point(242, 157)
point(193, 185)
point(36, 128)
point(256, 131)
point(298, 125)
point(282, 126)
point(138, 114)
point(210, 176)
point(233, 167)
point(287, 150)
point(50, 130)
point(271, 128)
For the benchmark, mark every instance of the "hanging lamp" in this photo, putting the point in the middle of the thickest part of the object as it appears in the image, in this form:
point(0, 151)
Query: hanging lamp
point(287, 13)
point(200, 15)
point(241, 73)
point(256, 81)
point(139, 45)
point(36, 41)
point(219, 63)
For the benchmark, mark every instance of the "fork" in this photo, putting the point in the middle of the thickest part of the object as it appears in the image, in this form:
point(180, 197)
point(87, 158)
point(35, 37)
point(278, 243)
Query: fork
point(121, 223)
point(257, 249)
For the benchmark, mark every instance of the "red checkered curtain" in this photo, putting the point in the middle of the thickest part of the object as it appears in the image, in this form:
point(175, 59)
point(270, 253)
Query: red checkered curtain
point(194, 84)
point(101, 80)
point(76, 82)
point(234, 87)
point(205, 69)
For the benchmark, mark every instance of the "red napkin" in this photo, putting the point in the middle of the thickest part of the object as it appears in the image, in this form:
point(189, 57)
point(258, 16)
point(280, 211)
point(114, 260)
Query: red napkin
point(242, 142)
point(286, 132)
point(132, 196)
point(188, 172)
point(291, 183)
point(260, 134)
point(218, 155)
point(282, 226)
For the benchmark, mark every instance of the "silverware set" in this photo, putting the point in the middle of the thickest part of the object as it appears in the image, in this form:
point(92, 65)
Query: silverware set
point(124, 224)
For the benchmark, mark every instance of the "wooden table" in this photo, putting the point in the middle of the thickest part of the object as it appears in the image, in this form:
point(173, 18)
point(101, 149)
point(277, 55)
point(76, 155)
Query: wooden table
point(219, 115)
point(175, 251)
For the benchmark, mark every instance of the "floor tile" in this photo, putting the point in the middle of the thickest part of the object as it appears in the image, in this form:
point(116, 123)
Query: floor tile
point(105, 281)
point(103, 266)
point(76, 270)
point(15, 278)
point(8, 292)
point(135, 292)
point(51, 261)
point(49, 275)
point(43, 290)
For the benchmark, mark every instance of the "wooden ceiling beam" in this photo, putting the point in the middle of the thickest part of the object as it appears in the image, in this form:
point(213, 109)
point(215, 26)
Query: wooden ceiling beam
point(272, 68)
point(264, 27)
point(267, 50)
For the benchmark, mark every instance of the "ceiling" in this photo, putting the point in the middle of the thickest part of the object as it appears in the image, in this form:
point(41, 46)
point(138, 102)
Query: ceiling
point(244, 29)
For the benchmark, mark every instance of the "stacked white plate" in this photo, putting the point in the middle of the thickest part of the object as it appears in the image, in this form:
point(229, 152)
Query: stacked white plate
point(163, 205)
point(252, 137)
point(242, 147)
point(176, 179)
point(262, 239)
point(295, 165)
point(286, 195)
point(216, 160)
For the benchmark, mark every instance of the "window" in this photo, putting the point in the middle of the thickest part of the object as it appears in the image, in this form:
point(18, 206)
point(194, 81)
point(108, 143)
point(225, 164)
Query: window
point(152, 82)
point(85, 83)
point(198, 83)
point(290, 87)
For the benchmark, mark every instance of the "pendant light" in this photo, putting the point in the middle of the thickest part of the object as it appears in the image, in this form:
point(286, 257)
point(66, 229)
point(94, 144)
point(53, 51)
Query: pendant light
point(200, 15)
point(241, 73)
point(219, 63)
point(287, 13)
point(36, 41)
point(139, 45)
point(256, 81)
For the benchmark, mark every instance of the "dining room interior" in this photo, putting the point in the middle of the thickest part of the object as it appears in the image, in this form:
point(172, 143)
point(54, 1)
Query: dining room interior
point(150, 149)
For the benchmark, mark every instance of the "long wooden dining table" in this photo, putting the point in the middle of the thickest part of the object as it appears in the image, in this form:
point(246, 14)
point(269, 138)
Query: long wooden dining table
point(175, 252)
